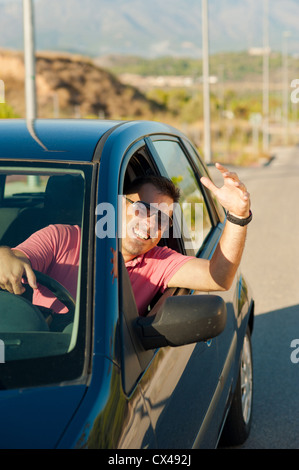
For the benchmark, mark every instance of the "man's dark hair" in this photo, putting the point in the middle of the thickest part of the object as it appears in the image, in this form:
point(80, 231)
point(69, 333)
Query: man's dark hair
point(163, 185)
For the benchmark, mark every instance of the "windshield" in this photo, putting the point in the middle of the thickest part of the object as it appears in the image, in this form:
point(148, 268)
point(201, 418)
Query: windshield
point(42, 327)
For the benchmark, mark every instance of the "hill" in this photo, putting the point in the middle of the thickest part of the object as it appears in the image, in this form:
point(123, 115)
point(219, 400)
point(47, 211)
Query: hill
point(228, 67)
point(72, 86)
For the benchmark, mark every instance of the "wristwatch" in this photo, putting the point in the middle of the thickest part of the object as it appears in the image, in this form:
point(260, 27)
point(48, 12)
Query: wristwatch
point(237, 220)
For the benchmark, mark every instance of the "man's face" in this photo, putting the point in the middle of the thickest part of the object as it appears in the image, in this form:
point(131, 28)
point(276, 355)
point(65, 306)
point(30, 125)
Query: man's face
point(144, 225)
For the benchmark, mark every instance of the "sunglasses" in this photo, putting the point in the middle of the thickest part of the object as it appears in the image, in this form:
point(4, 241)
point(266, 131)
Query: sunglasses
point(145, 210)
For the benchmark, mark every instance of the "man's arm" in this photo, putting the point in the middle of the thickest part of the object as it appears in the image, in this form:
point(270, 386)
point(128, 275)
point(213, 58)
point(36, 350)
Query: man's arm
point(219, 272)
point(14, 265)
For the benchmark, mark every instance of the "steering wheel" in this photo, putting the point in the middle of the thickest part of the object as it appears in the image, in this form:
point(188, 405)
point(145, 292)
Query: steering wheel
point(18, 314)
point(57, 289)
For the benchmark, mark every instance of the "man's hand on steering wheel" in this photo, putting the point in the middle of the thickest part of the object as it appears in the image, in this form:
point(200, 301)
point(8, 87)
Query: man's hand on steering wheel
point(14, 266)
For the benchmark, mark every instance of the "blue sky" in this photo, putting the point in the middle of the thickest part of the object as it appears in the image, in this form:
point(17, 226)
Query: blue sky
point(99, 27)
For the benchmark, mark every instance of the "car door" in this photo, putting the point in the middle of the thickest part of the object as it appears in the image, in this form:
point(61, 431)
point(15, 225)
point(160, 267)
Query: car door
point(180, 385)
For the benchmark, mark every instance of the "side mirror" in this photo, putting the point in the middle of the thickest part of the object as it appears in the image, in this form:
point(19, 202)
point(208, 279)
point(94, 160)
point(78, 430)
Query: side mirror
point(183, 320)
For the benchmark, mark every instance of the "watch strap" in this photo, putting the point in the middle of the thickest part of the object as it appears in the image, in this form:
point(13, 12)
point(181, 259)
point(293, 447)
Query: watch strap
point(236, 220)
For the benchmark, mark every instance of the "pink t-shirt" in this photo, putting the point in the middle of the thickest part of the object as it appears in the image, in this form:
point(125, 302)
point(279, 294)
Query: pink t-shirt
point(55, 251)
point(150, 273)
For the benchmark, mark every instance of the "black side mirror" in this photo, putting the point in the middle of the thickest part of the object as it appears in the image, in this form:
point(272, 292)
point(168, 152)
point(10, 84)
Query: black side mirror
point(183, 320)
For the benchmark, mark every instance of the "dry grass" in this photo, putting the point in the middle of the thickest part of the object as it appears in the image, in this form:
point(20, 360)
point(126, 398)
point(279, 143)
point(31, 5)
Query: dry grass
point(69, 86)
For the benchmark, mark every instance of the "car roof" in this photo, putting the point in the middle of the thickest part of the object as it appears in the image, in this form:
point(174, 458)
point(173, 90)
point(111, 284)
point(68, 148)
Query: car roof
point(71, 140)
point(52, 139)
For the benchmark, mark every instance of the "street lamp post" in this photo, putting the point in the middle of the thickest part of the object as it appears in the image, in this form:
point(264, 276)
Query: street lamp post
point(29, 58)
point(206, 83)
point(266, 53)
point(30, 87)
point(285, 91)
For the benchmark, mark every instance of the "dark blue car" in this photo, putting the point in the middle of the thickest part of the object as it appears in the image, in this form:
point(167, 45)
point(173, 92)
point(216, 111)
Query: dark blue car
point(104, 377)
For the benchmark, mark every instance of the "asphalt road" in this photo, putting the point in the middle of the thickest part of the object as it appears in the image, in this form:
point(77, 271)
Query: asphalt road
point(271, 266)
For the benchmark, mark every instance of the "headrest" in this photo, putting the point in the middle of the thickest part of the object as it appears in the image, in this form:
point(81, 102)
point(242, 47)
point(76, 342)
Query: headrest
point(64, 199)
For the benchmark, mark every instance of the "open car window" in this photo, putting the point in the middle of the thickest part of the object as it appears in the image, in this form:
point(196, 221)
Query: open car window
point(194, 220)
point(135, 359)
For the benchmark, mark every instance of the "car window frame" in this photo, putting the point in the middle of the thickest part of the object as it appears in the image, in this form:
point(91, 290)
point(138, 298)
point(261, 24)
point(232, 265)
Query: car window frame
point(134, 360)
point(12, 375)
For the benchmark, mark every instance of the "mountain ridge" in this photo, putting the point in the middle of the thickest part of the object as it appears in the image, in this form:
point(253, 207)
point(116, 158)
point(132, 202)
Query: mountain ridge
point(150, 29)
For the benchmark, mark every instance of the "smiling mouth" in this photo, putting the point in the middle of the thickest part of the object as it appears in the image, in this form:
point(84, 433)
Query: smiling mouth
point(140, 234)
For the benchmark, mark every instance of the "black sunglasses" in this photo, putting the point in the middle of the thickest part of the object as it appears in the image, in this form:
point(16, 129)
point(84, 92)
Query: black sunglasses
point(163, 219)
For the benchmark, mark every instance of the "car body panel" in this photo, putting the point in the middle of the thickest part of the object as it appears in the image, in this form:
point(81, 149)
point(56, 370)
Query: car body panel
point(50, 139)
point(107, 419)
point(37, 416)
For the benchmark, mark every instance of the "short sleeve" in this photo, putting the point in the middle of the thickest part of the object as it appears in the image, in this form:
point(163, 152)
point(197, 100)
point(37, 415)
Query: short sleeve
point(40, 248)
point(169, 262)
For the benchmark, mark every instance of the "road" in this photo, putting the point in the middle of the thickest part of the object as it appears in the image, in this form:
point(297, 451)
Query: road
point(271, 266)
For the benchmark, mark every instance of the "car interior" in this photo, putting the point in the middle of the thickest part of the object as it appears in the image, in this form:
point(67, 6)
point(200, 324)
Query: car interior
point(22, 213)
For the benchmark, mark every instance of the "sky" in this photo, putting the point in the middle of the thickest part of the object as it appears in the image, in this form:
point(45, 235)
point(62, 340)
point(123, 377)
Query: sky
point(153, 28)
